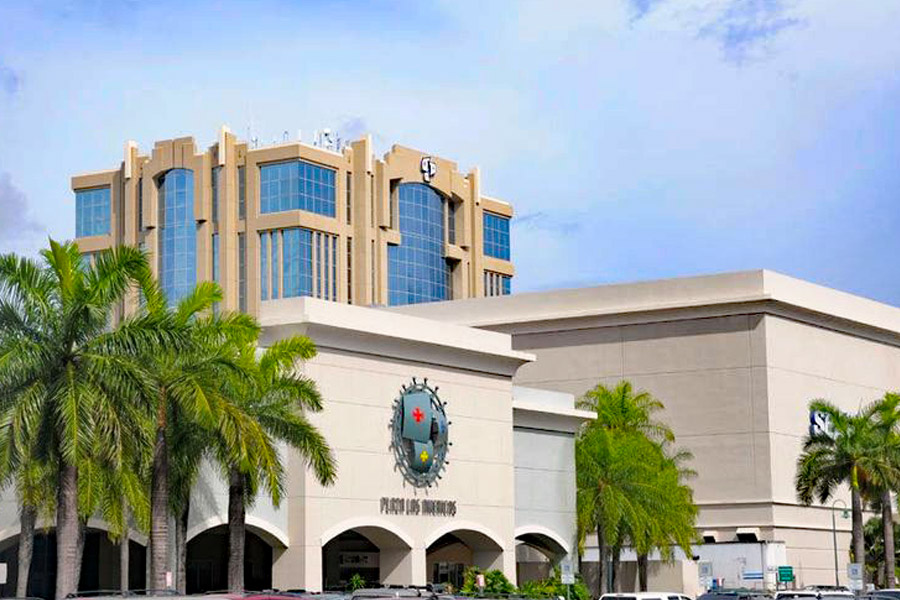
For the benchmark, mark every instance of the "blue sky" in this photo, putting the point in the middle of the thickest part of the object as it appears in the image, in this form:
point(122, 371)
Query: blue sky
point(636, 138)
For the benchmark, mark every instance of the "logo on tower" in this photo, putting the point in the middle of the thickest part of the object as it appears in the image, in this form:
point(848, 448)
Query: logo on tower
point(428, 166)
point(420, 427)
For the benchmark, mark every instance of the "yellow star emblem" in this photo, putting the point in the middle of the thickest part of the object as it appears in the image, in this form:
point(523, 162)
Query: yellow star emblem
point(424, 456)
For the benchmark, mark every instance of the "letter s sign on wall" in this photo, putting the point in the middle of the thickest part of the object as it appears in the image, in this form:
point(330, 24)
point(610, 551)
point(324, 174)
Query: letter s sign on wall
point(820, 424)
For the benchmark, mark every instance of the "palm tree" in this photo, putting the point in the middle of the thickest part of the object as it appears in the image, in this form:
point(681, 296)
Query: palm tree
point(34, 482)
point(615, 491)
point(193, 444)
point(623, 409)
point(187, 384)
point(276, 397)
point(65, 373)
point(852, 451)
point(885, 413)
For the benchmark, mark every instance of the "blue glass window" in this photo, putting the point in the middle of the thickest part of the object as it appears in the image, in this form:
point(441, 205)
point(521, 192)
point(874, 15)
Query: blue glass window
point(417, 269)
point(92, 212)
point(177, 234)
point(264, 265)
point(496, 284)
point(297, 259)
point(215, 257)
point(216, 181)
point(242, 272)
point(296, 185)
point(296, 263)
point(242, 192)
point(276, 280)
point(496, 236)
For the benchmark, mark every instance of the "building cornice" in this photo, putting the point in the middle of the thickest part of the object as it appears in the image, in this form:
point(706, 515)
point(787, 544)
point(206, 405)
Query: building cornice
point(337, 326)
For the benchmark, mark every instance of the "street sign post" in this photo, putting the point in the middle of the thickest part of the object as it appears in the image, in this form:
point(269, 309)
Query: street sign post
point(567, 572)
point(855, 575)
point(785, 574)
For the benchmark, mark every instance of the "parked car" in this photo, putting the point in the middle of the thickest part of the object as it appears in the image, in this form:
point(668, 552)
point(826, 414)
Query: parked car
point(646, 596)
point(731, 594)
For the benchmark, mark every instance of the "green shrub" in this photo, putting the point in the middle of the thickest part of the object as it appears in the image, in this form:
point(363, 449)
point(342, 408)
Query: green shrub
point(356, 582)
point(495, 582)
point(553, 587)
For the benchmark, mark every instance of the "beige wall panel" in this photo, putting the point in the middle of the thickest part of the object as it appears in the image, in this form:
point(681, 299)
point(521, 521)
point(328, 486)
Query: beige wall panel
point(576, 387)
point(726, 518)
point(348, 378)
point(703, 402)
point(836, 356)
point(90, 180)
point(94, 243)
point(719, 343)
point(571, 354)
point(503, 267)
point(496, 206)
point(790, 393)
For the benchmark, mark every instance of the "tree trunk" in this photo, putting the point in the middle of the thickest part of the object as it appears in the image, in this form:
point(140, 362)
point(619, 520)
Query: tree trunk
point(26, 548)
point(159, 503)
point(642, 572)
point(181, 524)
point(859, 552)
point(601, 562)
point(67, 524)
point(887, 518)
point(124, 562)
point(79, 555)
point(614, 569)
point(237, 529)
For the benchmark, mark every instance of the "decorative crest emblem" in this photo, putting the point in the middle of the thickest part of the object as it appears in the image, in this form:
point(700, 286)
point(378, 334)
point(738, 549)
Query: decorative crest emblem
point(419, 433)
point(428, 166)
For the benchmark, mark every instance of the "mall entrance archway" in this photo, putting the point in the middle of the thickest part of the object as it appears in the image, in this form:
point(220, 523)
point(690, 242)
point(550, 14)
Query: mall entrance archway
point(537, 553)
point(452, 553)
point(378, 555)
point(207, 561)
point(99, 566)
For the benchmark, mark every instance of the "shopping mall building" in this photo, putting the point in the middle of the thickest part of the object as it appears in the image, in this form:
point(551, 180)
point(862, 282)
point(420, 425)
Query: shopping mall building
point(449, 403)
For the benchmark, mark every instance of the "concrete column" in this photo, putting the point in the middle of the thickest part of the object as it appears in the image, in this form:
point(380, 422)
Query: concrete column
point(312, 568)
point(402, 566)
point(287, 568)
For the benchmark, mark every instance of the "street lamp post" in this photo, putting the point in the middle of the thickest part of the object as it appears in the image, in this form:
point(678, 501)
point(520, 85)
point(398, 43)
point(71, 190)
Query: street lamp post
point(834, 536)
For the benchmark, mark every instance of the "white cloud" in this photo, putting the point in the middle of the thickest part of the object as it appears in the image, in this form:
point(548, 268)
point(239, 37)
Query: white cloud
point(18, 231)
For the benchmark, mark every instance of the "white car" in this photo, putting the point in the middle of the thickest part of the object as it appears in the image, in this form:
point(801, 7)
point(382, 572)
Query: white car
point(646, 596)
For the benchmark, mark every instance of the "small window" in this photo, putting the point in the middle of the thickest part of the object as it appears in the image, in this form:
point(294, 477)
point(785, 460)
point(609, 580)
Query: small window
point(92, 212)
point(242, 192)
point(496, 236)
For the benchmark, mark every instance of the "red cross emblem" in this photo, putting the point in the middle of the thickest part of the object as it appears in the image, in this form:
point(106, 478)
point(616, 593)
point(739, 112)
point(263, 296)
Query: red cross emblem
point(418, 415)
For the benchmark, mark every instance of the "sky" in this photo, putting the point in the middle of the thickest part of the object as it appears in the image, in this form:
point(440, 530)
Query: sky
point(636, 139)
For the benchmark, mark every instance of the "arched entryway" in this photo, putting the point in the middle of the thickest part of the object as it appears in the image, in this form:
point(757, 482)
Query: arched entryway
point(538, 551)
point(206, 564)
point(99, 566)
point(376, 553)
point(449, 552)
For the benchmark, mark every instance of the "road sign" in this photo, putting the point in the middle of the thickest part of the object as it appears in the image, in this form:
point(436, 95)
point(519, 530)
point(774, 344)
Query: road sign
point(785, 574)
point(567, 573)
point(706, 570)
point(752, 576)
point(855, 571)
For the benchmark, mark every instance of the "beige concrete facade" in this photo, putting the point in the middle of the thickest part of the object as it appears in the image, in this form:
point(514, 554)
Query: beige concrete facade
point(509, 471)
point(736, 358)
point(365, 221)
